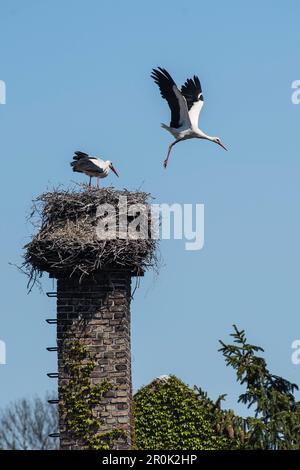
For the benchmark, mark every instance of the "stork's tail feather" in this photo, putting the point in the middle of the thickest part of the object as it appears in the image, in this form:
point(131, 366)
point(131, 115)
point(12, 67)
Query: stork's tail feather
point(164, 126)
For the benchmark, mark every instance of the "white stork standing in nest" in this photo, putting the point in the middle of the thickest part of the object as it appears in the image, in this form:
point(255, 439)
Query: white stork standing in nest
point(185, 106)
point(92, 166)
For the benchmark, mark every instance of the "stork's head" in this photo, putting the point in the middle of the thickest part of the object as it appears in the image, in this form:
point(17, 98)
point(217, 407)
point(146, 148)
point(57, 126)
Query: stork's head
point(112, 168)
point(216, 140)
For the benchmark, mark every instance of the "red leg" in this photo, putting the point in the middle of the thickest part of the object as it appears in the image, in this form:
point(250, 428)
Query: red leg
point(169, 151)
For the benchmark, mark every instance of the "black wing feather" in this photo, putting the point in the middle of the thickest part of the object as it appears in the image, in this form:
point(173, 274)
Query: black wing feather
point(165, 83)
point(192, 91)
point(78, 155)
point(86, 165)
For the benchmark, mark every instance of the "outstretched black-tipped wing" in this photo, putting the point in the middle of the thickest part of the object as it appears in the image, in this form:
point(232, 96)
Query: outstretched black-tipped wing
point(192, 92)
point(170, 92)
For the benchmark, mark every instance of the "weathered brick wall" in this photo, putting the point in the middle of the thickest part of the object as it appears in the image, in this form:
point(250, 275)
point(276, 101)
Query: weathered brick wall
point(97, 312)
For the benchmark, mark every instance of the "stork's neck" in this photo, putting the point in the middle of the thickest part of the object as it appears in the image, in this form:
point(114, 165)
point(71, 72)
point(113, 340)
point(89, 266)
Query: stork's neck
point(202, 135)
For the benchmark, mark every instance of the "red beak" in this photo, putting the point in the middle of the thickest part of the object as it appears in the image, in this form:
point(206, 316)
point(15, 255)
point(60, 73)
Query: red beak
point(114, 170)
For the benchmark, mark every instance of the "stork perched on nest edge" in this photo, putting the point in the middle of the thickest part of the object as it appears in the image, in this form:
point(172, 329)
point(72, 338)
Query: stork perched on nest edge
point(92, 166)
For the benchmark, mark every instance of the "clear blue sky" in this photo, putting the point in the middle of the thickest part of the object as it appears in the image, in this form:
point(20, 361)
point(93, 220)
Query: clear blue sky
point(78, 77)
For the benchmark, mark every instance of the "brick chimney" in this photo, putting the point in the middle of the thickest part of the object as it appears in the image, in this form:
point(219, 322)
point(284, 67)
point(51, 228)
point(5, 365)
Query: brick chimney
point(93, 296)
point(97, 312)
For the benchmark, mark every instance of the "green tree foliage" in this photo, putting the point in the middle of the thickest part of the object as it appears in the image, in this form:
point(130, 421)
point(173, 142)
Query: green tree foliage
point(224, 422)
point(169, 415)
point(276, 421)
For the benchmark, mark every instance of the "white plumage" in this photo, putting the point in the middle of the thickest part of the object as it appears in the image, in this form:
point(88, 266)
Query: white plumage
point(92, 166)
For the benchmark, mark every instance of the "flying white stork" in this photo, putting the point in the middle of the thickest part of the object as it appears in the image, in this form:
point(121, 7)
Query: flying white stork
point(91, 166)
point(185, 106)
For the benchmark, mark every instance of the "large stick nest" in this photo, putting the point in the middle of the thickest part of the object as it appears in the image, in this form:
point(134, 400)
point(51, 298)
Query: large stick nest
point(67, 242)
